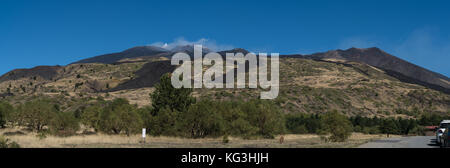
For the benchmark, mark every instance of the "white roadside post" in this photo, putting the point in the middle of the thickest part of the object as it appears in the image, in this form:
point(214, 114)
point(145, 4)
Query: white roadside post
point(143, 134)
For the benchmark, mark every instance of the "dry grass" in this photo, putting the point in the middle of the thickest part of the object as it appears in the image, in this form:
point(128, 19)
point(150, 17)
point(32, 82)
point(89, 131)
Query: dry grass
point(140, 97)
point(32, 140)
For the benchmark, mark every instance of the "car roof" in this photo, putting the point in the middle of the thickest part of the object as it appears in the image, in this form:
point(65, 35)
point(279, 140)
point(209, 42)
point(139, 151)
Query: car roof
point(445, 121)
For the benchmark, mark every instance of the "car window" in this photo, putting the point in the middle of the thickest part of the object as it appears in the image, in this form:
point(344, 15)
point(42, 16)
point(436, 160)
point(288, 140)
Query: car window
point(445, 125)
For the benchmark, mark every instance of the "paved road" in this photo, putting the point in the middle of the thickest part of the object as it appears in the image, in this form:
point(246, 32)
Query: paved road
point(403, 142)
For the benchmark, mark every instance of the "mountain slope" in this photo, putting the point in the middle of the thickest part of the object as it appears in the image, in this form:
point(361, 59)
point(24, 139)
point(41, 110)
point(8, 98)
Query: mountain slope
point(46, 72)
point(354, 81)
point(393, 65)
point(316, 86)
point(142, 52)
point(129, 53)
point(147, 76)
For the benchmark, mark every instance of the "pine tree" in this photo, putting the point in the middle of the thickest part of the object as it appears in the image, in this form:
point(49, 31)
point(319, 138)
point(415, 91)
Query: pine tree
point(165, 95)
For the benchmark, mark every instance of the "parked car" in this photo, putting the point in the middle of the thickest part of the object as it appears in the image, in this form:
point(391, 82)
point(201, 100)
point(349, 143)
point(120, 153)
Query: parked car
point(440, 131)
point(445, 138)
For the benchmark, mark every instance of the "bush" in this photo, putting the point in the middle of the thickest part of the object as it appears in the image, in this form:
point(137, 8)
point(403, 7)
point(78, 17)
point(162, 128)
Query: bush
point(302, 123)
point(225, 139)
point(146, 117)
point(42, 135)
point(91, 116)
point(64, 124)
point(418, 131)
point(431, 119)
point(357, 128)
point(265, 116)
point(175, 113)
point(405, 125)
point(300, 129)
point(165, 123)
point(389, 126)
point(338, 125)
point(214, 119)
point(6, 143)
point(203, 119)
point(119, 116)
point(242, 128)
point(235, 120)
point(371, 130)
point(36, 114)
point(5, 112)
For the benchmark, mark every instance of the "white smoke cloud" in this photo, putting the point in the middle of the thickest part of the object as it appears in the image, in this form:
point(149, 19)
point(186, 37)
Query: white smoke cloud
point(210, 44)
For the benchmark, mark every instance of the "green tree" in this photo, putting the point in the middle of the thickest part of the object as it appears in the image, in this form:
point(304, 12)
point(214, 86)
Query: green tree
point(165, 123)
point(389, 127)
point(337, 125)
point(91, 116)
point(203, 119)
point(64, 124)
point(296, 123)
point(146, 117)
point(165, 95)
point(405, 125)
point(235, 119)
point(36, 114)
point(265, 116)
point(119, 116)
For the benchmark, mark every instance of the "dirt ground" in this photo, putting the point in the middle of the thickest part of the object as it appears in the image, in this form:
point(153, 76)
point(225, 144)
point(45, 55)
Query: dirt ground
point(33, 140)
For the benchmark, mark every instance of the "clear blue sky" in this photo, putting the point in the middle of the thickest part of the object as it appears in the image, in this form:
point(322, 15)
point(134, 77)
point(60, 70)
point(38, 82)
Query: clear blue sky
point(59, 32)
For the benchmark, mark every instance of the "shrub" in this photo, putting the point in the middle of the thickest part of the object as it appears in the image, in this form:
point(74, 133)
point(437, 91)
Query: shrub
point(431, 119)
point(371, 130)
point(42, 135)
point(302, 123)
point(357, 128)
point(265, 116)
point(91, 116)
point(235, 120)
point(64, 124)
point(202, 119)
point(5, 112)
point(389, 127)
point(213, 119)
point(77, 85)
point(419, 130)
point(6, 143)
point(36, 114)
point(313, 124)
point(299, 129)
point(165, 123)
point(146, 117)
point(338, 126)
point(119, 116)
point(405, 126)
point(241, 127)
point(225, 139)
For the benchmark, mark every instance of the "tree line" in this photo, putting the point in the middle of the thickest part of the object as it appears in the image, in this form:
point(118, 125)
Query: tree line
point(314, 124)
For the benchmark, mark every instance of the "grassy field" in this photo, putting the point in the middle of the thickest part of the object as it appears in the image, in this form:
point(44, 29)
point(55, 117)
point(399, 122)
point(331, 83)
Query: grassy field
point(32, 140)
